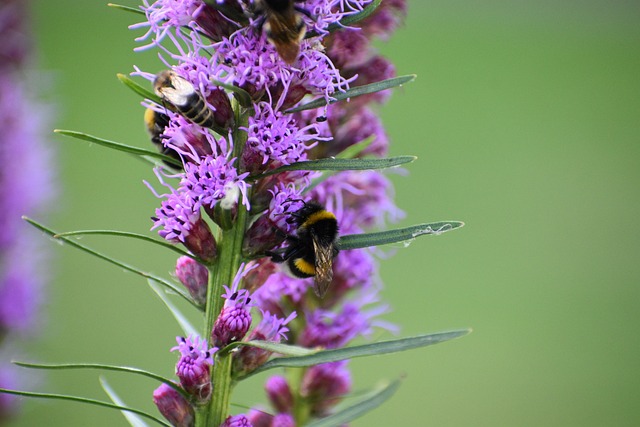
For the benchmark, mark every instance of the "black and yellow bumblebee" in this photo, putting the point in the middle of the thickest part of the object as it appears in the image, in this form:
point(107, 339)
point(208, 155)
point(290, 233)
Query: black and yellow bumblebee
point(283, 25)
point(180, 94)
point(311, 251)
point(156, 123)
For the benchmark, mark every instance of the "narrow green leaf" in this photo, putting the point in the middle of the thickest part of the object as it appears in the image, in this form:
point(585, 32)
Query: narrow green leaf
point(332, 164)
point(286, 349)
point(126, 8)
point(140, 90)
point(84, 400)
point(357, 241)
point(133, 419)
point(353, 151)
point(368, 404)
point(242, 95)
point(166, 245)
point(372, 349)
point(103, 367)
point(118, 146)
point(355, 91)
point(350, 19)
point(113, 261)
point(184, 323)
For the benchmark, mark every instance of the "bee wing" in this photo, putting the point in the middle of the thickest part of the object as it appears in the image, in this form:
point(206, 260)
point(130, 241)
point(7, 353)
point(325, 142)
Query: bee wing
point(323, 266)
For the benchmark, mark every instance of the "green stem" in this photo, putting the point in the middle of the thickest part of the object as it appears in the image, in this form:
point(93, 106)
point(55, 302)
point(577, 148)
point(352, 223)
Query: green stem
point(222, 272)
point(222, 385)
point(301, 409)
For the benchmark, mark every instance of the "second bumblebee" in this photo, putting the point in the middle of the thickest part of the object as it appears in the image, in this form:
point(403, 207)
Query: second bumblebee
point(180, 94)
point(311, 251)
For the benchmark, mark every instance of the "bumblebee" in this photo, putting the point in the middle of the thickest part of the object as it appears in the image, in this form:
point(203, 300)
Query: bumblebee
point(180, 94)
point(156, 123)
point(311, 251)
point(283, 24)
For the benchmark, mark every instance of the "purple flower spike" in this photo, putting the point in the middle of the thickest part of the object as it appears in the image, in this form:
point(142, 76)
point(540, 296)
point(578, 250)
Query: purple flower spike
point(194, 366)
point(237, 421)
point(236, 189)
point(173, 406)
point(235, 318)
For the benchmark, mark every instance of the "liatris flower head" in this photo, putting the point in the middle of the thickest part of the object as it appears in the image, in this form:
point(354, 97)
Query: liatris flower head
point(234, 320)
point(193, 368)
point(237, 421)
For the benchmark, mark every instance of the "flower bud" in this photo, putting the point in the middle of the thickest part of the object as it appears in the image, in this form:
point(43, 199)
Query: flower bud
point(194, 276)
point(257, 276)
point(173, 406)
point(283, 420)
point(295, 93)
point(348, 48)
point(260, 418)
point(200, 241)
point(234, 320)
point(214, 24)
point(261, 237)
point(223, 112)
point(279, 393)
point(194, 367)
point(324, 385)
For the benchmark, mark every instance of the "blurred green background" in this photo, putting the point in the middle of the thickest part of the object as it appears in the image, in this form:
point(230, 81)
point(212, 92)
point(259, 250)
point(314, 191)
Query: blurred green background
point(526, 120)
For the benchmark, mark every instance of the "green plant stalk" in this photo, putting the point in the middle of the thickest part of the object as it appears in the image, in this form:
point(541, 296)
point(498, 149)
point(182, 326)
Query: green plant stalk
point(301, 408)
point(222, 272)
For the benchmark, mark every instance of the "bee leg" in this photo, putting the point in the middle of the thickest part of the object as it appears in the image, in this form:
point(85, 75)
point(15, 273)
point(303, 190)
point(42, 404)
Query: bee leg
point(281, 234)
point(281, 255)
point(276, 256)
point(260, 24)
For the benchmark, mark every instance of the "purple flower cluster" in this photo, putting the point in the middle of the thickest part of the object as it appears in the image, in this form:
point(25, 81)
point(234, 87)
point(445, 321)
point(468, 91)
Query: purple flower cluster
point(27, 186)
point(213, 46)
